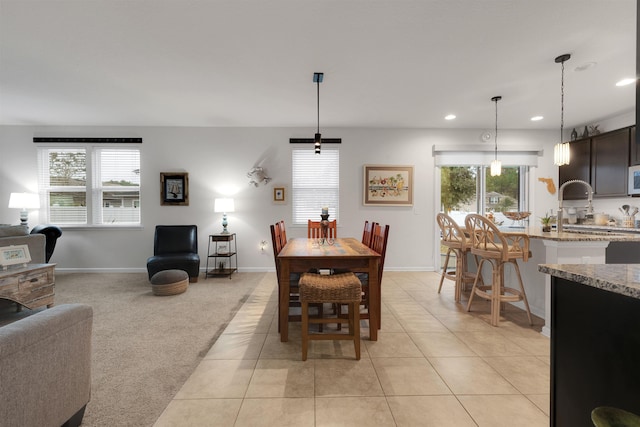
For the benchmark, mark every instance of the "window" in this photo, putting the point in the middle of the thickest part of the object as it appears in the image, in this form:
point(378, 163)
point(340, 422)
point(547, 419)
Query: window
point(315, 184)
point(90, 185)
point(471, 189)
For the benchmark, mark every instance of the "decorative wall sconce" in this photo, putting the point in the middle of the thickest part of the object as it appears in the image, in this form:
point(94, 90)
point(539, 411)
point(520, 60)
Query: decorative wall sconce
point(257, 176)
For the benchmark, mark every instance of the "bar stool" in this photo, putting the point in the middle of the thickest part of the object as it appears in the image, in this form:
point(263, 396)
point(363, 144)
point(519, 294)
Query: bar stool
point(454, 238)
point(341, 288)
point(498, 249)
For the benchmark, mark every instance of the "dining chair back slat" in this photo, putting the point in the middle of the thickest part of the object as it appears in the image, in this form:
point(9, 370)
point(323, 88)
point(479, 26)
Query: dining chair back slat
point(314, 230)
point(367, 233)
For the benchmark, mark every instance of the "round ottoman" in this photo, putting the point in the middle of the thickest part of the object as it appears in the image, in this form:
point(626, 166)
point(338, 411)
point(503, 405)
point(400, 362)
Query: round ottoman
point(169, 282)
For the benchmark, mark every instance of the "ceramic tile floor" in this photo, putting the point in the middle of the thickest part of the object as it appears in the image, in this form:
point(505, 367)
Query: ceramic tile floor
point(434, 364)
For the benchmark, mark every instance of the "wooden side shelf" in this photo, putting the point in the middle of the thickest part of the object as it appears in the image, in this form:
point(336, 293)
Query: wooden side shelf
point(216, 255)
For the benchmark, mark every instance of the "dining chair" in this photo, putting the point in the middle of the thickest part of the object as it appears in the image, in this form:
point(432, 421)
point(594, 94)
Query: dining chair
point(314, 230)
point(497, 249)
point(340, 289)
point(367, 233)
point(455, 240)
point(283, 232)
point(379, 239)
point(278, 240)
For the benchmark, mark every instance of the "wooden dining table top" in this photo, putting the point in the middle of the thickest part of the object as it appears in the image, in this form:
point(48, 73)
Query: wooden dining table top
point(348, 247)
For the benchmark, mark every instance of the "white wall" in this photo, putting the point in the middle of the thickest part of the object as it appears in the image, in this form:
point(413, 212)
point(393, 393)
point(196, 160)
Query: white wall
point(217, 160)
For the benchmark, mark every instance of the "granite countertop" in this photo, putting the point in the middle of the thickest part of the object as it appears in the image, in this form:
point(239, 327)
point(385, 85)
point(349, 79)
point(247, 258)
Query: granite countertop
point(582, 235)
point(622, 279)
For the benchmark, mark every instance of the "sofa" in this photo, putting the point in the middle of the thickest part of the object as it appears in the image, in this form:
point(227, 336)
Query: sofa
point(45, 367)
point(19, 235)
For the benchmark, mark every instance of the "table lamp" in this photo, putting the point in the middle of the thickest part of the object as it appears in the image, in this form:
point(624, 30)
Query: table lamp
point(224, 206)
point(24, 201)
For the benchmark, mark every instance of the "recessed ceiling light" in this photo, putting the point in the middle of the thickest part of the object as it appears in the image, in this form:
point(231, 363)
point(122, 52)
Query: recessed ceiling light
point(586, 66)
point(450, 117)
point(536, 118)
point(625, 82)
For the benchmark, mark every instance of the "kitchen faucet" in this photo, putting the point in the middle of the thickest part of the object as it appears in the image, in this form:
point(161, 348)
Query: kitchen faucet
point(560, 200)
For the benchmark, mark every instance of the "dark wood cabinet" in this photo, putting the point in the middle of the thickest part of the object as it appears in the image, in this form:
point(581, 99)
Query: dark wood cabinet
point(610, 163)
point(602, 161)
point(634, 158)
point(594, 348)
point(578, 168)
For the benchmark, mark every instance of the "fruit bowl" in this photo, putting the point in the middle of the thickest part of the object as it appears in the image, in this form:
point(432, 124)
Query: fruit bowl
point(516, 216)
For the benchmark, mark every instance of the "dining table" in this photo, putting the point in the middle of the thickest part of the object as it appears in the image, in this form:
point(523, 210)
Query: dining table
point(300, 255)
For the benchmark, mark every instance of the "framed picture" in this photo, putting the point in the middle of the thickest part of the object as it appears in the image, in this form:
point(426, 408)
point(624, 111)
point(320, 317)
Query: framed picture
point(16, 254)
point(388, 185)
point(279, 195)
point(174, 187)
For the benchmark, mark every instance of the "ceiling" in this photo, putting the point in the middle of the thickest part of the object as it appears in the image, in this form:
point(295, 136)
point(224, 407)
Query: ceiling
point(250, 63)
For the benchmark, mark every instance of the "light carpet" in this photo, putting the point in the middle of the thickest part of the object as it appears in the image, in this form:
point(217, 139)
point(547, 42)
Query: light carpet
point(145, 346)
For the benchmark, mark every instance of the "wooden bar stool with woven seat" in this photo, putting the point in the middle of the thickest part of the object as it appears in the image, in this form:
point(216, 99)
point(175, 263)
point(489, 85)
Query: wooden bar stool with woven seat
point(454, 238)
point(344, 288)
point(498, 249)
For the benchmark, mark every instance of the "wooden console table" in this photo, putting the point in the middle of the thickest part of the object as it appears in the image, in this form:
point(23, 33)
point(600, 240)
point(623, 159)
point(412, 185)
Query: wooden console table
point(31, 286)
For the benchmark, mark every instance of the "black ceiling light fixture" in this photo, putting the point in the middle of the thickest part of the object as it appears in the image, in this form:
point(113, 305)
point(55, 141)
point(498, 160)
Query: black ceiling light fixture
point(496, 165)
point(317, 139)
point(561, 151)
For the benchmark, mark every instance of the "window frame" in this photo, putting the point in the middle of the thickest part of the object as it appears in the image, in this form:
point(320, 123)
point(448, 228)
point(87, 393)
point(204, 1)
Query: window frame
point(299, 217)
point(93, 188)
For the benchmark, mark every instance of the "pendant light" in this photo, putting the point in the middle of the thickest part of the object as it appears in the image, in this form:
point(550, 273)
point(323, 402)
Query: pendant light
point(561, 152)
point(496, 165)
point(317, 140)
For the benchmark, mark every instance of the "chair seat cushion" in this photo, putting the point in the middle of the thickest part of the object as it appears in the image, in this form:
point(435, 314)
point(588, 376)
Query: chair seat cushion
point(344, 287)
point(169, 282)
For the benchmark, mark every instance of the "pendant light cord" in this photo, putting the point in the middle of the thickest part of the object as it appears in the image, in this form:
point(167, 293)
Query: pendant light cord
point(318, 85)
point(496, 99)
point(496, 134)
point(562, 103)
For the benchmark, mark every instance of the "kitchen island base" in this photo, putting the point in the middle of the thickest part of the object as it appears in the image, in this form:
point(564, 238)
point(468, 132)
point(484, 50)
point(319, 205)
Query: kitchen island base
point(595, 346)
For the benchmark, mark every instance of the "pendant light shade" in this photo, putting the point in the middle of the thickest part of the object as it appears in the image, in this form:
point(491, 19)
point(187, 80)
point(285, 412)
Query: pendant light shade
point(496, 165)
point(561, 152)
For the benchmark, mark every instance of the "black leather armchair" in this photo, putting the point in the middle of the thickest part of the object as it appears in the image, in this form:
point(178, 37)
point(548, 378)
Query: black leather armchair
point(175, 247)
point(51, 234)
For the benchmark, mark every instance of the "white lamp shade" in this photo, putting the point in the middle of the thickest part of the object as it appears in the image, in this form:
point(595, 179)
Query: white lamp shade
point(561, 154)
point(224, 205)
point(24, 201)
point(496, 167)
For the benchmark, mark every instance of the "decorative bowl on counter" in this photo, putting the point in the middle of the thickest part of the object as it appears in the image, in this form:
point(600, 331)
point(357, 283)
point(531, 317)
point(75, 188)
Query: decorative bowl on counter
point(516, 216)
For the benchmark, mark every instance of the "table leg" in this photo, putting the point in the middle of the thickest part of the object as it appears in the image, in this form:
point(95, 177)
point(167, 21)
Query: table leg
point(283, 308)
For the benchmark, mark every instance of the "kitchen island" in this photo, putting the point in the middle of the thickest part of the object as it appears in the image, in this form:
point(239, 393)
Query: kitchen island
point(595, 342)
point(572, 246)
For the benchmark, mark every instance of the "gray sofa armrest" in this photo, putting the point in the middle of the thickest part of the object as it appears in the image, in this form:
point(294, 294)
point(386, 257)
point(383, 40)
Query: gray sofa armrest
point(35, 242)
point(45, 366)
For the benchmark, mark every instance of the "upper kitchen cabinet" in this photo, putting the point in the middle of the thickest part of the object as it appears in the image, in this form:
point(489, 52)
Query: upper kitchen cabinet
point(578, 168)
point(635, 148)
point(610, 163)
point(602, 161)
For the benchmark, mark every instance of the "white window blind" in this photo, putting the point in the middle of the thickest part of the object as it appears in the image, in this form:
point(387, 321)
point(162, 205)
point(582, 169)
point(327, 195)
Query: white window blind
point(315, 184)
point(90, 185)
point(116, 186)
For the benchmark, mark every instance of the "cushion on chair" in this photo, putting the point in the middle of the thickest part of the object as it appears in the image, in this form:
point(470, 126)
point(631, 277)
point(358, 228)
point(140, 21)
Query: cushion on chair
point(343, 287)
point(169, 282)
